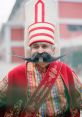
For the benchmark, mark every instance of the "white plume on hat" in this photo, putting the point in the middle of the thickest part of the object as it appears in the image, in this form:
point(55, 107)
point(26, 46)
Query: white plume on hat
point(41, 23)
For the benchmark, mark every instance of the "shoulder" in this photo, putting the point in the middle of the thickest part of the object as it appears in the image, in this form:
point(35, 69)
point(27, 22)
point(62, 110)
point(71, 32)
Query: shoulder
point(65, 67)
point(67, 72)
point(62, 63)
point(17, 70)
point(18, 75)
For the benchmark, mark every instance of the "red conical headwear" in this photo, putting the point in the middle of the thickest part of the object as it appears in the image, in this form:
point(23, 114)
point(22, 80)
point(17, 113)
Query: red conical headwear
point(41, 24)
point(40, 30)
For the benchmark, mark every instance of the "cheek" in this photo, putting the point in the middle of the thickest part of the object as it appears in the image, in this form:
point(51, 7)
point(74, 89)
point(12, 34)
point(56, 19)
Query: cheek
point(49, 51)
point(33, 51)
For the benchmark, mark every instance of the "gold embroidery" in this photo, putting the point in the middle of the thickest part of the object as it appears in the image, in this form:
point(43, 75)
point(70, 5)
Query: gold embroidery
point(52, 73)
point(9, 113)
point(4, 84)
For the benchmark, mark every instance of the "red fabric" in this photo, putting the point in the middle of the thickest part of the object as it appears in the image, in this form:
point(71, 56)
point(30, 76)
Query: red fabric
point(18, 76)
point(67, 76)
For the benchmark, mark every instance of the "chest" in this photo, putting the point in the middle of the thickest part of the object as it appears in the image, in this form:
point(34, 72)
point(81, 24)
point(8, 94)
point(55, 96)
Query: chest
point(34, 79)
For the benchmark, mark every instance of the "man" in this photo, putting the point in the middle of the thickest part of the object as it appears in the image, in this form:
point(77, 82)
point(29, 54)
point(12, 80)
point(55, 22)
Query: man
point(23, 81)
point(41, 87)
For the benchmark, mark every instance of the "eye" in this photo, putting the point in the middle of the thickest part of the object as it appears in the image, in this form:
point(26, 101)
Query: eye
point(35, 47)
point(45, 46)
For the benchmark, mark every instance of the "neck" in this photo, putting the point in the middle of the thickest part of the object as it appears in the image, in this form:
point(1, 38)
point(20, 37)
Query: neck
point(42, 66)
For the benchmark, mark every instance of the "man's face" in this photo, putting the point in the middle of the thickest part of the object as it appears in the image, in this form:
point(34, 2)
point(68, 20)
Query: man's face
point(41, 47)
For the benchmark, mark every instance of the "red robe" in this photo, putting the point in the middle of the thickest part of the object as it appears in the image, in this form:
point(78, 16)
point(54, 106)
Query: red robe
point(17, 80)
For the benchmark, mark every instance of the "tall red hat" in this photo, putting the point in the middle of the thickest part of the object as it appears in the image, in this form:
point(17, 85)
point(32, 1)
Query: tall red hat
point(41, 21)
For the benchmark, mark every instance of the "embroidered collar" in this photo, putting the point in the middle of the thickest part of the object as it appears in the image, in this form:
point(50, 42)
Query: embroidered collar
point(42, 69)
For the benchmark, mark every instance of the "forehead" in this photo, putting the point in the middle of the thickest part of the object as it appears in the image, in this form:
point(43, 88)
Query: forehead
point(40, 43)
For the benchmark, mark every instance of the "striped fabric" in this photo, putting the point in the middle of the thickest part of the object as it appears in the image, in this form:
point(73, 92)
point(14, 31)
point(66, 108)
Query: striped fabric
point(41, 32)
point(56, 102)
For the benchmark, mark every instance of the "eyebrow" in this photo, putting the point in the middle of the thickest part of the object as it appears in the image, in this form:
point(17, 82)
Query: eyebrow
point(34, 45)
point(38, 44)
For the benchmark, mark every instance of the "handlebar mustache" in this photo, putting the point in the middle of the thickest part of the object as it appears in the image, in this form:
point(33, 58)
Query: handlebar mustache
point(40, 57)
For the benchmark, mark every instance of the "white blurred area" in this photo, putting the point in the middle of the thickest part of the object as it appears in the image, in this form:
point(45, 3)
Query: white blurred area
point(5, 68)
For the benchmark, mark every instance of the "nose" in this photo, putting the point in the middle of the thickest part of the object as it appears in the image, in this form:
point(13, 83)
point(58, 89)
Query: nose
point(40, 50)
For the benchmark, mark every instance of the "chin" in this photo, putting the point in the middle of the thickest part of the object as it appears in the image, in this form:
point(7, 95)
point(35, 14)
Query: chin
point(43, 64)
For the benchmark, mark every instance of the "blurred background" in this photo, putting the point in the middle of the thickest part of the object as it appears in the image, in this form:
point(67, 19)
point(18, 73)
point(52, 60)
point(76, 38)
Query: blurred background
point(70, 34)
